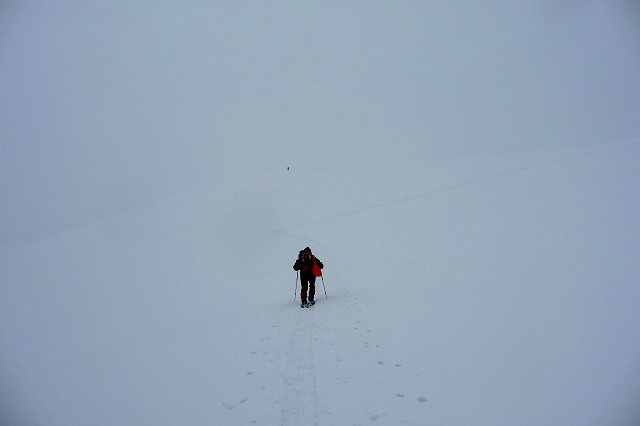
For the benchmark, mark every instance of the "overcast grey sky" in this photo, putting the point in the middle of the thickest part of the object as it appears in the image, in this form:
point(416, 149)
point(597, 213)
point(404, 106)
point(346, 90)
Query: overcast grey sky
point(104, 105)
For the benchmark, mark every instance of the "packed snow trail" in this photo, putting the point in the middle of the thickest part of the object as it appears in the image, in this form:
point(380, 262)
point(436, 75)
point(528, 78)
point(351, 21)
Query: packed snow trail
point(299, 404)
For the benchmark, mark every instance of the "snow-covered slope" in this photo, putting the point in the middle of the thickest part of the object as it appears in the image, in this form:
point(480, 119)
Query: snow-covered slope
point(478, 290)
point(467, 172)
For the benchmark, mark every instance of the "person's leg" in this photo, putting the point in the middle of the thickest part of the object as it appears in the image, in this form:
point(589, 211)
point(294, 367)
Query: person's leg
point(304, 285)
point(312, 289)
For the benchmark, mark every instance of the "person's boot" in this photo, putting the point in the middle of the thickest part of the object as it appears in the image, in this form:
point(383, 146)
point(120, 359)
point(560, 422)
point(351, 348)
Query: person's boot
point(312, 294)
point(303, 299)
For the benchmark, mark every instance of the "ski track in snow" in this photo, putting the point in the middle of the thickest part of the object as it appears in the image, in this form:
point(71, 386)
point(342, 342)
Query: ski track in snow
point(328, 367)
point(298, 404)
point(323, 386)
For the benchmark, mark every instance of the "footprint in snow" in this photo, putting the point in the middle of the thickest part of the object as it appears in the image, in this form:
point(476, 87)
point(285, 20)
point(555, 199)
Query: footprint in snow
point(243, 400)
point(374, 417)
point(400, 395)
point(422, 399)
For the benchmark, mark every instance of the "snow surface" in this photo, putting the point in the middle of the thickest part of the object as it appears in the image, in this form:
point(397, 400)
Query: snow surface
point(468, 172)
point(480, 290)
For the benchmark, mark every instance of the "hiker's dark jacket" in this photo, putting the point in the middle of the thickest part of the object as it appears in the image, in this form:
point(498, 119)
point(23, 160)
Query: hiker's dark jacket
point(306, 266)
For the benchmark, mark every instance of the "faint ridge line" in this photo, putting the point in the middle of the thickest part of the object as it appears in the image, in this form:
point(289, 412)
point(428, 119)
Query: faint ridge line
point(295, 237)
point(449, 188)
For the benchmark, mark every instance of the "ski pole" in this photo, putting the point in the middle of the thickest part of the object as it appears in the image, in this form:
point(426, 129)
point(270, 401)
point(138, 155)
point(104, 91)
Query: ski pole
point(295, 292)
point(325, 290)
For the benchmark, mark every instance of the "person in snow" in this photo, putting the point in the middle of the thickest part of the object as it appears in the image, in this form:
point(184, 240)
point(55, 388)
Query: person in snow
point(309, 267)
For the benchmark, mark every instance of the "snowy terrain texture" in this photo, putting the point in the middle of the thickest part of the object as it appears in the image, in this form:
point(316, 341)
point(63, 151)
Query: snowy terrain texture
point(468, 173)
point(488, 290)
